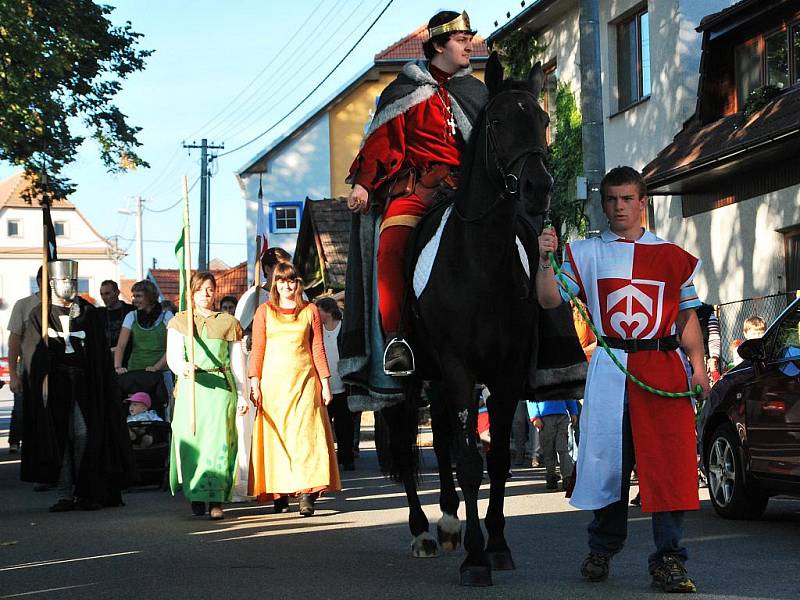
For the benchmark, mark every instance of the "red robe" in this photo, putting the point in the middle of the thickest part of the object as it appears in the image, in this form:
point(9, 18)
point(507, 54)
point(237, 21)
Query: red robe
point(419, 138)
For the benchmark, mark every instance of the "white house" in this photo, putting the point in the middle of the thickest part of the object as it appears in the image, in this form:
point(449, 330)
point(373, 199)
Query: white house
point(650, 55)
point(21, 249)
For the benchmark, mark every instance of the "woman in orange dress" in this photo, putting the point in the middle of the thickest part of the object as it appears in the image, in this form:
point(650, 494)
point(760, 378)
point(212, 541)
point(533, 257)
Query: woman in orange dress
point(292, 452)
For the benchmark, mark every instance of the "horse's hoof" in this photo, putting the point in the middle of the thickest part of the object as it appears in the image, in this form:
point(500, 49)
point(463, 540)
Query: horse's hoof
point(476, 575)
point(424, 546)
point(501, 560)
point(448, 530)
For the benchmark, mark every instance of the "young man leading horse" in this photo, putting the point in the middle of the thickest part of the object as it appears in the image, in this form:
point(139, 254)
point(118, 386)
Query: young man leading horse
point(410, 157)
point(640, 293)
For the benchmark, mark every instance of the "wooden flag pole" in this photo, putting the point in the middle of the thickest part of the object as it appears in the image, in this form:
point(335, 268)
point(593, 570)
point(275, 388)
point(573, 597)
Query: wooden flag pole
point(257, 281)
point(187, 264)
point(44, 292)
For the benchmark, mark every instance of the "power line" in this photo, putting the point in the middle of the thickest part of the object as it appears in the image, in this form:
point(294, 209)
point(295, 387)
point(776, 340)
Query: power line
point(299, 79)
point(331, 72)
point(193, 241)
point(284, 75)
point(304, 22)
point(171, 206)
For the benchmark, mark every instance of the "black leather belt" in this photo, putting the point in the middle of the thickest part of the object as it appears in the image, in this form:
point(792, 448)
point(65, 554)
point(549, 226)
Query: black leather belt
point(664, 344)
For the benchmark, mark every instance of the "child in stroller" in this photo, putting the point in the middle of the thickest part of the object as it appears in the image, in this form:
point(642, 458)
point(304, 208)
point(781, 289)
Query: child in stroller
point(139, 411)
point(149, 432)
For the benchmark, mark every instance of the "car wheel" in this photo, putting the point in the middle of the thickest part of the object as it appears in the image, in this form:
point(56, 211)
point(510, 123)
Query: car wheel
point(726, 478)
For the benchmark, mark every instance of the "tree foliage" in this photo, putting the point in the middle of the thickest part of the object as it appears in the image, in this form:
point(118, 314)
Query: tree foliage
point(61, 64)
point(565, 164)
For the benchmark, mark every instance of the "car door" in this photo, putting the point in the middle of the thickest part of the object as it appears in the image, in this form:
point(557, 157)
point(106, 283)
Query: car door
point(772, 401)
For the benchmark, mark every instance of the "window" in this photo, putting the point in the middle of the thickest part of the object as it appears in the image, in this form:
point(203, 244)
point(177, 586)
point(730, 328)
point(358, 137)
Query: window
point(770, 59)
point(286, 217)
point(633, 59)
point(791, 245)
point(549, 96)
point(14, 229)
point(60, 228)
point(776, 49)
point(748, 71)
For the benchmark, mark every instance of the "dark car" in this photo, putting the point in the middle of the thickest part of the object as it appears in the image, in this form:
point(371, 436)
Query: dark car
point(749, 431)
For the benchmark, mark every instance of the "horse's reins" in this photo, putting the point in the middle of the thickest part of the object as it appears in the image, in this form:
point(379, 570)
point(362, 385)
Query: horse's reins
point(509, 178)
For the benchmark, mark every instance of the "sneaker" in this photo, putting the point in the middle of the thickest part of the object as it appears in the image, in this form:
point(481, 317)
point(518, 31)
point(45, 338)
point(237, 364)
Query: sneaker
point(551, 483)
point(595, 567)
point(281, 505)
point(198, 508)
point(672, 578)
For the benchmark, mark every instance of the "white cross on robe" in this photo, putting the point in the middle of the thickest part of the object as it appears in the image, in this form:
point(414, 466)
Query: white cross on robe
point(66, 334)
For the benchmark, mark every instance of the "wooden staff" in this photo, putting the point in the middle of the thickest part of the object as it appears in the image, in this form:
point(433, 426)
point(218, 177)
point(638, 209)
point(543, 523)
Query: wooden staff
point(44, 292)
point(187, 264)
point(257, 281)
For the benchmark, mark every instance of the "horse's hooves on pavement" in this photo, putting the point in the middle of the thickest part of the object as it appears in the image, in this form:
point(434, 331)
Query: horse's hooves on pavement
point(476, 575)
point(501, 561)
point(424, 546)
point(448, 530)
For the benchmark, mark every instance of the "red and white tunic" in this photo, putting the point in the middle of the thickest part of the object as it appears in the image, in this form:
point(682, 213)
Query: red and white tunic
point(635, 290)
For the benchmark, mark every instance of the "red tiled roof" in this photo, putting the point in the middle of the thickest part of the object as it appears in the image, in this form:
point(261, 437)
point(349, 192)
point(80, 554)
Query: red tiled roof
point(230, 282)
point(410, 47)
point(695, 145)
point(11, 190)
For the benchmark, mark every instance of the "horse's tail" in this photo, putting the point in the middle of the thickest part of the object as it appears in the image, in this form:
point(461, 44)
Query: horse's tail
point(402, 423)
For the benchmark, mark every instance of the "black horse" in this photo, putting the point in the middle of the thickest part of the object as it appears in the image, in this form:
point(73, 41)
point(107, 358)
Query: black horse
point(476, 320)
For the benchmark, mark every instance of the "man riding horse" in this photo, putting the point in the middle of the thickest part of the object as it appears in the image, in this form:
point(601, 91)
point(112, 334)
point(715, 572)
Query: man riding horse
point(409, 160)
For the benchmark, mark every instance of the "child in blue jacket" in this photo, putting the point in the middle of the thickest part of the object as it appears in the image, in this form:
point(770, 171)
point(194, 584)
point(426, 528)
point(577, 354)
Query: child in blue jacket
point(552, 418)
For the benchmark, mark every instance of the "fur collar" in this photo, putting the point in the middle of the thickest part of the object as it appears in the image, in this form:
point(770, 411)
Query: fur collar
point(417, 71)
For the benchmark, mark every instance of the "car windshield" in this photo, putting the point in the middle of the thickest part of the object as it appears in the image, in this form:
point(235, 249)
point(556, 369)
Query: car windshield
point(787, 337)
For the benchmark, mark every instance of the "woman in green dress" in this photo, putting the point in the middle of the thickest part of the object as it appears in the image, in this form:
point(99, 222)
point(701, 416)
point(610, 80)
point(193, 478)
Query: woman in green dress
point(203, 461)
point(145, 330)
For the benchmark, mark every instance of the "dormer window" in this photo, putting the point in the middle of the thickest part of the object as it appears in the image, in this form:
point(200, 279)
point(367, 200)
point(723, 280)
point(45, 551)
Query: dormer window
point(769, 59)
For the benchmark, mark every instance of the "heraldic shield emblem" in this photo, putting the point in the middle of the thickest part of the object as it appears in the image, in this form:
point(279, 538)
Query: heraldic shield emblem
point(631, 308)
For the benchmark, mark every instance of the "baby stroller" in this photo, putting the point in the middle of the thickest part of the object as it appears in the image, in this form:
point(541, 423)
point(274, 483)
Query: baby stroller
point(150, 439)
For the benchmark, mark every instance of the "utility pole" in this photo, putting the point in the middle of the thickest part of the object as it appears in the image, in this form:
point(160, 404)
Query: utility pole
point(205, 209)
point(139, 236)
point(594, 160)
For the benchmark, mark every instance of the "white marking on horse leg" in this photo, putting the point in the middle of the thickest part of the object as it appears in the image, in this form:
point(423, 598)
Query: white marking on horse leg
point(449, 530)
point(424, 546)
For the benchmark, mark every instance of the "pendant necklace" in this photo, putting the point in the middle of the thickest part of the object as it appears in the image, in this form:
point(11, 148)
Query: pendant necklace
point(451, 123)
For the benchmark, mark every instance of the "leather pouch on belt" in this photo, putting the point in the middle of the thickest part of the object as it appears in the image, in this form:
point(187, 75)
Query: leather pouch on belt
point(433, 183)
point(403, 183)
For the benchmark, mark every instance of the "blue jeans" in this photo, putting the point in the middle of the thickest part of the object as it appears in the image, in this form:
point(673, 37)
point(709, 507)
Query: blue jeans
point(609, 528)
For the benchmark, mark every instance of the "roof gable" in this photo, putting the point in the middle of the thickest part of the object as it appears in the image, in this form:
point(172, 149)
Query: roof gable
point(230, 282)
point(12, 189)
point(410, 47)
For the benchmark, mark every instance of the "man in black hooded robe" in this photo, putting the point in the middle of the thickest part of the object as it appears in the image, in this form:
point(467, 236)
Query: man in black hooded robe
point(76, 436)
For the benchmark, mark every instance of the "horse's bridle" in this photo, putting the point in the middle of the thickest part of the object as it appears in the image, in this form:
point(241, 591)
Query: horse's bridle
point(505, 168)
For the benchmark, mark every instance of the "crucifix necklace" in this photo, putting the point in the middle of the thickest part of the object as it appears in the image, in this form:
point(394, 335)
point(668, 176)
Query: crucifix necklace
point(451, 122)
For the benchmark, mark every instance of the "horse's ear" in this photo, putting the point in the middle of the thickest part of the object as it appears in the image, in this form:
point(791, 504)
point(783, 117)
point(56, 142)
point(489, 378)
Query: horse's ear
point(494, 74)
point(536, 78)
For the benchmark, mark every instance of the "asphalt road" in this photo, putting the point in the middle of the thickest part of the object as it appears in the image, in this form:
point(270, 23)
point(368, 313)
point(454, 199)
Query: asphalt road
point(357, 546)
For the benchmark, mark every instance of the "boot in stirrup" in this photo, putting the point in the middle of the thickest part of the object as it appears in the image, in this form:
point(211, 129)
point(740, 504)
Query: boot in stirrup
point(398, 358)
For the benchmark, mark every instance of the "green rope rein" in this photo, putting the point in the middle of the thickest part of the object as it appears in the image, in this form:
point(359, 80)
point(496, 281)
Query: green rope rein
point(698, 390)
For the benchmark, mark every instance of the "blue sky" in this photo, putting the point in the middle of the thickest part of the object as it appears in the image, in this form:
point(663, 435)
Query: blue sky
point(202, 82)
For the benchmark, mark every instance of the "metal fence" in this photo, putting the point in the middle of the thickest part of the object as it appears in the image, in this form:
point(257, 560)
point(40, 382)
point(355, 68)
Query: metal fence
point(732, 315)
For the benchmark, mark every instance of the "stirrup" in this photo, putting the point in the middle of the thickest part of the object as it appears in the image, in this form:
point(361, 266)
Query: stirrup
point(407, 373)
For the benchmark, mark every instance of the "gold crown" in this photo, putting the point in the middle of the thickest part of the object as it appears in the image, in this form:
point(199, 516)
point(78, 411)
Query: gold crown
point(460, 23)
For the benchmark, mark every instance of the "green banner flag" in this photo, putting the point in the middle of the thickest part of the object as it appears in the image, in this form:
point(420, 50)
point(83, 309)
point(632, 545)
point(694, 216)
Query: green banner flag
point(180, 252)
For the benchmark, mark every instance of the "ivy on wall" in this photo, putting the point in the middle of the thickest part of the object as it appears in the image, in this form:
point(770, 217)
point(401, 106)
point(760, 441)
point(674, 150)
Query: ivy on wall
point(518, 52)
point(565, 164)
